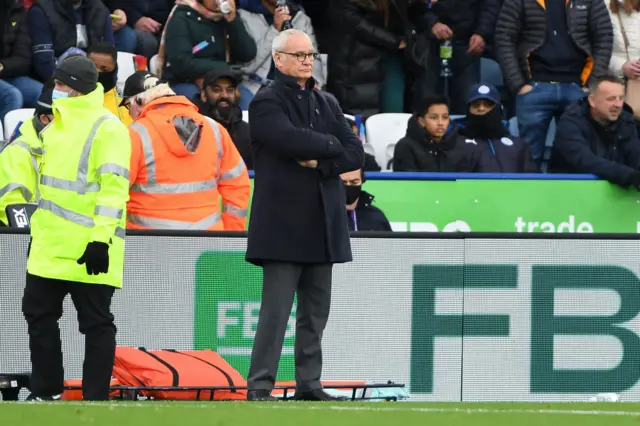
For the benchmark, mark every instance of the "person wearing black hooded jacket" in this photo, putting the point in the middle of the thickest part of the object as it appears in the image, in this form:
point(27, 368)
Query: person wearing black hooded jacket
point(433, 143)
point(598, 135)
point(500, 152)
point(362, 215)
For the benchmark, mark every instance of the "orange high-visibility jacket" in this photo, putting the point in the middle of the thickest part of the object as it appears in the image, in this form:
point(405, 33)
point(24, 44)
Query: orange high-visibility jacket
point(183, 167)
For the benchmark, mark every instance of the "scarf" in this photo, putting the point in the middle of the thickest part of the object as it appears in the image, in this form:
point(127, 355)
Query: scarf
point(198, 8)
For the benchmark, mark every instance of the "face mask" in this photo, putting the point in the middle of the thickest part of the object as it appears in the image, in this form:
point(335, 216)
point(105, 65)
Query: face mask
point(352, 193)
point(59, 94)
point(487, 125)
point(107, 79)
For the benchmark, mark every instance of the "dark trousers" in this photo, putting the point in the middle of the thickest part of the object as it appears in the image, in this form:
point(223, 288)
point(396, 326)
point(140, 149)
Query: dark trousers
point(466, 72)
point(281, 281)
point(42, 308)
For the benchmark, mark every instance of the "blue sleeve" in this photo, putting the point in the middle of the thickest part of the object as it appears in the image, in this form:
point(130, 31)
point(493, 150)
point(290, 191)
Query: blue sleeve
point(108, 31)
point(43, 58)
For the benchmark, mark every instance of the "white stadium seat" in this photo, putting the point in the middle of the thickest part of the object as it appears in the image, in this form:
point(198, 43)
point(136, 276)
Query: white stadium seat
point(384, 130)
point(245, 116)
point(154, 65)
point(14, 117)
point(126, 67)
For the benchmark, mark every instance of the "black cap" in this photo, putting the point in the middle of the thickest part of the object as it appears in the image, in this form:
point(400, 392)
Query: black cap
point(224, 72)
point(138, 82)
point(485, 92)
point(79, 73)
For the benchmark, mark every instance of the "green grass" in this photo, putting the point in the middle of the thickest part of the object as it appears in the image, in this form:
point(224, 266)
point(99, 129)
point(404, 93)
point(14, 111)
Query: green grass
point(326, 414)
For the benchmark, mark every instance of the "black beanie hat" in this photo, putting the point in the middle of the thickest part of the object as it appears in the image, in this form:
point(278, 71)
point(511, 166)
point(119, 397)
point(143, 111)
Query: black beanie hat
point(79, 73)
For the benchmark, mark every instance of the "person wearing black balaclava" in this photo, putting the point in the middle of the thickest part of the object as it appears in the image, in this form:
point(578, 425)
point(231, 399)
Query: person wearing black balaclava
point(484, 127)
point(219, 100)
point(361, 214)
point(105, 57)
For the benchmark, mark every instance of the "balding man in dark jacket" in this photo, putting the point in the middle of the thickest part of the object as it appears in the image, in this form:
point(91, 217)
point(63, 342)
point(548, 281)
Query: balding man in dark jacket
point(548, 51)
point(298, 226)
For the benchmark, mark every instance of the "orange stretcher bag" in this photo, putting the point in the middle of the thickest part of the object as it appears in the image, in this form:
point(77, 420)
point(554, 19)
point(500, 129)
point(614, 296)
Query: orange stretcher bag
point(76, 394)
point(170, 368)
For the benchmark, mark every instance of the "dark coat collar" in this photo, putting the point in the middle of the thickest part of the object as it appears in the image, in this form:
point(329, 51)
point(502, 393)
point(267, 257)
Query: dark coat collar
point(292, 82)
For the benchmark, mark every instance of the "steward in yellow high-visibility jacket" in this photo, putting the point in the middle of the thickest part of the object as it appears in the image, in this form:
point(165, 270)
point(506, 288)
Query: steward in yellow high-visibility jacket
point(77, 231)
point(20, 159)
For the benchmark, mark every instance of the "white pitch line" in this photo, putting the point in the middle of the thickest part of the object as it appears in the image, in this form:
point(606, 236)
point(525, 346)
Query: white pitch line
point(282, 405)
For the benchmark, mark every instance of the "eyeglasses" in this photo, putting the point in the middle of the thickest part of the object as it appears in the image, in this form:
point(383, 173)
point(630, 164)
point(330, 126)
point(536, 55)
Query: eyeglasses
point(301, 56)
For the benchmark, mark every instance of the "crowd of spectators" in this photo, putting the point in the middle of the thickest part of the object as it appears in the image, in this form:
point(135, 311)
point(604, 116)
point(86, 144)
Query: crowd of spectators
point(422, 57)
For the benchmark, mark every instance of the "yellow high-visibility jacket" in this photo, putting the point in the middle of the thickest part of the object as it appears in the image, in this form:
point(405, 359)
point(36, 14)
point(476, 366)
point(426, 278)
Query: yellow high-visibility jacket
point(84, 188)
point(19, 164)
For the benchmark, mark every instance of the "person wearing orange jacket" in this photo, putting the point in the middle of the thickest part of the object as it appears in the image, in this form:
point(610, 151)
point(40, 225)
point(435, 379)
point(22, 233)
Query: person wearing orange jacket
point(186, 172)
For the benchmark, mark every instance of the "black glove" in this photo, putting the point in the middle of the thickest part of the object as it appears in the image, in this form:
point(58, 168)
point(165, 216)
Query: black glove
point(96, 258)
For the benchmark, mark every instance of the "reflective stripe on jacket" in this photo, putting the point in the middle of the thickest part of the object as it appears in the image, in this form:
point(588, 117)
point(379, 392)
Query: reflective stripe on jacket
point(84, 188)
point(19, 163)
point(182, 165)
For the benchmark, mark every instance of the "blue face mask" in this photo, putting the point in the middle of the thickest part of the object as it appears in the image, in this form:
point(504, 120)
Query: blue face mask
point(58, 94)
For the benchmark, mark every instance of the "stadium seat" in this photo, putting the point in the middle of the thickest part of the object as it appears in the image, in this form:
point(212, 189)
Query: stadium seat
point(154, 65)
point(14, 117)
point(126, 67)
point(245, 116)
point(383, 130)
point(551, 135)
point(490, 73)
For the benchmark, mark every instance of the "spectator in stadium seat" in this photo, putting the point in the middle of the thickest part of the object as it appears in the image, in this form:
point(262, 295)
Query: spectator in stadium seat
point(367, 36)
point(199, 38)
point(263, 28)
point(125, 37)
point(17, 89)
point(598, 135)
point(218, 100)
point(361, 214)
point(148, 18)
point(484, 123)
point(433, 143)
point(56, 26)
point(105, 57)
point(548, 51)
point(625, 60)
point(468, 24)
point(20, 160)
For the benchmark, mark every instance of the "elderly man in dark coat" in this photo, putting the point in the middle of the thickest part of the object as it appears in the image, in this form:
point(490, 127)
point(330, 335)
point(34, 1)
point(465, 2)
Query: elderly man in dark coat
point(298, 226)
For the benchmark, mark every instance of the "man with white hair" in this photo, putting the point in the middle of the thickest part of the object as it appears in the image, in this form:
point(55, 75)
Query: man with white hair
point(182, 164)
point(298, 228)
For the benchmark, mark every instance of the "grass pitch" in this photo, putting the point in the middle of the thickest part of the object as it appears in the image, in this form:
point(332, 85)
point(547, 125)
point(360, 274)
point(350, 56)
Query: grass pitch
point(311, 414)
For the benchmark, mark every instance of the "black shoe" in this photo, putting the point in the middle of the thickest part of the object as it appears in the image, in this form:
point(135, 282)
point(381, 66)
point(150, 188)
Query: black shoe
point(317, 395)
point(260, 395)
point(32, 397)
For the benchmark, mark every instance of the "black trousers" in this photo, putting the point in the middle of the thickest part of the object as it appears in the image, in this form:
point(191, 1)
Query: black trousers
point(281, 281)
point(42, 308)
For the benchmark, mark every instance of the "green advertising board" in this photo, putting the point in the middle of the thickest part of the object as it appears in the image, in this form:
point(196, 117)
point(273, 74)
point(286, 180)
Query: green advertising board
point(507, 206)
point(227, 304)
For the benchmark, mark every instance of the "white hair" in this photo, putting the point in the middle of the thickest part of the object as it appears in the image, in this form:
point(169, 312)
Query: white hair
point(281, 40)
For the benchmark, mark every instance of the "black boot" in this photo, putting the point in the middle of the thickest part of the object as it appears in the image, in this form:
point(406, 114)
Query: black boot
point(260, 395)
point(31, 397)
point(317, 395)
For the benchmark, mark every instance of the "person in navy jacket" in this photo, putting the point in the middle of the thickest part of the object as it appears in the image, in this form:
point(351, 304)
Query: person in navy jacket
point(483, 126)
